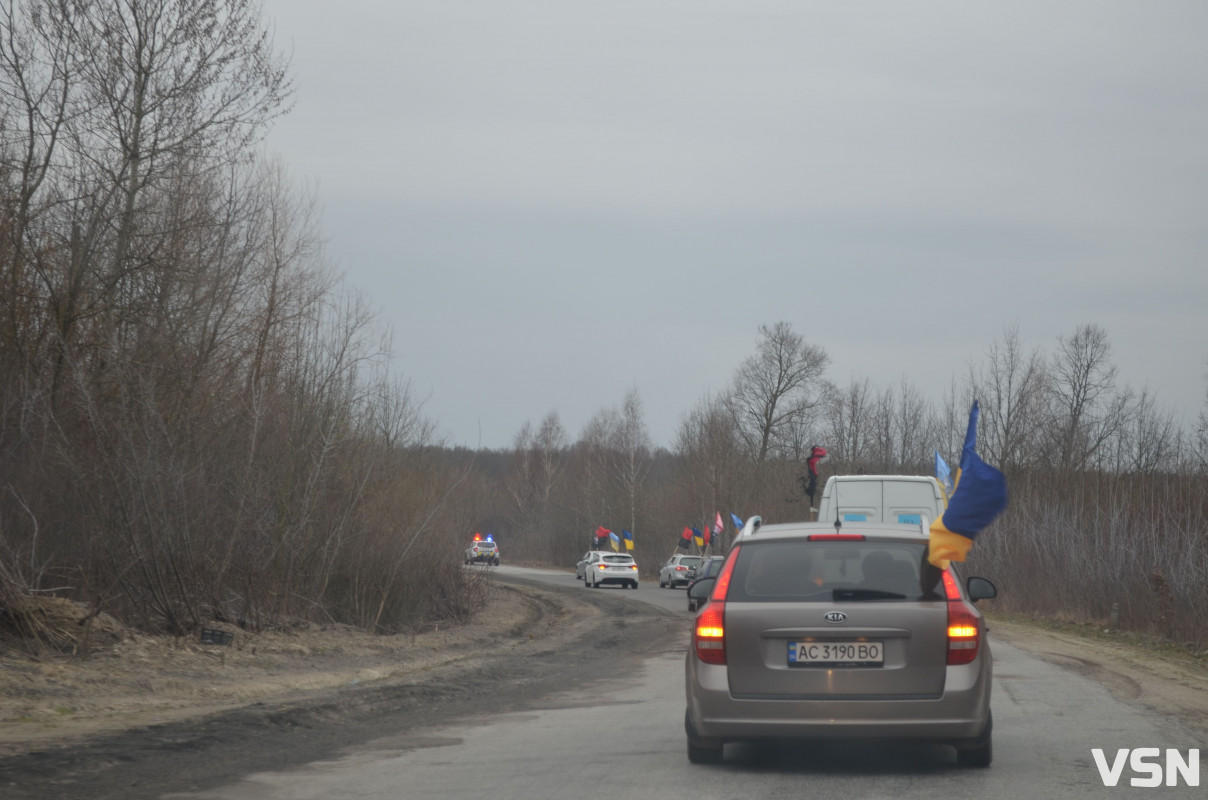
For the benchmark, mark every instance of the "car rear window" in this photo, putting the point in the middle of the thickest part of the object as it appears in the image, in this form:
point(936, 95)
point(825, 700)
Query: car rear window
point(832, 571)
point(619, 559)
point(690, 561)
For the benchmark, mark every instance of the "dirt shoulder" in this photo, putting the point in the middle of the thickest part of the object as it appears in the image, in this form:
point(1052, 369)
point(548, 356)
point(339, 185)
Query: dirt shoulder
point(148, 716)
point(1171, 681)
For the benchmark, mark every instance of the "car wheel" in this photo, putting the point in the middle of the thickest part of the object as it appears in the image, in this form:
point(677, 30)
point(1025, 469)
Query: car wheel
point(982, 752)
point(704, 755)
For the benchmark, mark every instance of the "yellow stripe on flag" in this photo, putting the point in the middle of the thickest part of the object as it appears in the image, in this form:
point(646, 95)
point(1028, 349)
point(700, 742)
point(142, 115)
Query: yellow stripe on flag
point(946, 546)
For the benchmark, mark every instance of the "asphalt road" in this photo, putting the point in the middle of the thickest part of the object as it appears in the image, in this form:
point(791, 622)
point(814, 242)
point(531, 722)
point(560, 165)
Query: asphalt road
point(622, 737)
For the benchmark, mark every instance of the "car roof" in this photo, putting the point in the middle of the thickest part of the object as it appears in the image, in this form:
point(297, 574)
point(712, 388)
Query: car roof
point(871, 530)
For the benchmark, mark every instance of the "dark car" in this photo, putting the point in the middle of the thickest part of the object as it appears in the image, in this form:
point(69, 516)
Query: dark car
point(707, 568)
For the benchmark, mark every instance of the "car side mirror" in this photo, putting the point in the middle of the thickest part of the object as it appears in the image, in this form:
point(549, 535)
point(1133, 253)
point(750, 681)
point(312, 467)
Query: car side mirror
point(981, 589)
point(702, 589)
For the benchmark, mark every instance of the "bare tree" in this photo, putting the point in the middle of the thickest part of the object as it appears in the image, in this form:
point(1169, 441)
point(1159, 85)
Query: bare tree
point(912, 427)
point(847, 415)
point(776, 390)
point(1010, 389)
point(629, 446)
point(1201, 431)
point(1148, 442)
point(1086, 411)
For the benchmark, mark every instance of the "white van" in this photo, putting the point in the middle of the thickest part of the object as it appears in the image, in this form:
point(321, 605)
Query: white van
point(903, 499)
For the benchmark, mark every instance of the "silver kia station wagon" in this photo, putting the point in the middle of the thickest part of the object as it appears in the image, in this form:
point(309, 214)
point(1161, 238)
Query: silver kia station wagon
point(819, 631)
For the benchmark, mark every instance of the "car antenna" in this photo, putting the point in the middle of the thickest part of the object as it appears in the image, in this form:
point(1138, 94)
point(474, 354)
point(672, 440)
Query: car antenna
point(838, 523)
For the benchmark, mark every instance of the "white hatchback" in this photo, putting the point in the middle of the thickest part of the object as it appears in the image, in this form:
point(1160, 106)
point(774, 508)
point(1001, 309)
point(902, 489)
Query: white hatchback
point(615, 568)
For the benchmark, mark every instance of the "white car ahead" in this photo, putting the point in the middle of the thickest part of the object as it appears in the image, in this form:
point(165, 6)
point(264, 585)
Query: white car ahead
point(605, 568)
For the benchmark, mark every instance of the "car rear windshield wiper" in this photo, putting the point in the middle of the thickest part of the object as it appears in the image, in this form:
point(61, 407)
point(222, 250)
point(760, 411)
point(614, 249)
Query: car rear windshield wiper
point(866, 594)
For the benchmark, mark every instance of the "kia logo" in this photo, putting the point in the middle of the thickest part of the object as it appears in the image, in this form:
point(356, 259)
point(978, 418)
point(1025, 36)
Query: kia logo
point(835, 616)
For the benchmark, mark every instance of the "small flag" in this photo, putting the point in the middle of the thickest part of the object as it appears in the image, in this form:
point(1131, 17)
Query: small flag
point(942, 473)
point(685, 539)
point(980, 495)
point(718, 526)
point(737, 520)
point(707, 536)
point(698, 538)
point(628, 539)
point(615, 540)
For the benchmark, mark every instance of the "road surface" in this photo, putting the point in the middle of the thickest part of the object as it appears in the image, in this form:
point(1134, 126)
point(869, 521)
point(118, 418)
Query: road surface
point(621, 736)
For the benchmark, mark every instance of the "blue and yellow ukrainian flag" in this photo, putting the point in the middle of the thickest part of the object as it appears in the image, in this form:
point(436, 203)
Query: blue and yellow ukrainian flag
point(698, 538)
point(628, 539)
point(979, 496)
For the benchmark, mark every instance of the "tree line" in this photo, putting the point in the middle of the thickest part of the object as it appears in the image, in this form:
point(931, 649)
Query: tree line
point(1108, 517)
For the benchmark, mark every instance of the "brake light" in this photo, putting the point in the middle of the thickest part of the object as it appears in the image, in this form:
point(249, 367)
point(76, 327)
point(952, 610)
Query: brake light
point(678, 568)
point(835, 537)
point(964, 624)
point(709, 633)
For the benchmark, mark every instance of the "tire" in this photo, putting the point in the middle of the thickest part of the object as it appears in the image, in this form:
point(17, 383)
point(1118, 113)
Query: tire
point(982, 752)
point(704, 755)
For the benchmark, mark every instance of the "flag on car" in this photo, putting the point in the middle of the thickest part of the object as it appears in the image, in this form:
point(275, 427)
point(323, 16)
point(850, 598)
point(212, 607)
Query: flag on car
point(737, 520)
point(718, 526)
point(698, 538)
point(601, 534)
point(943, 474)
point(628, 539)
point(707, 536)
point(685, 539)
point(980, 495)
point(615, 540)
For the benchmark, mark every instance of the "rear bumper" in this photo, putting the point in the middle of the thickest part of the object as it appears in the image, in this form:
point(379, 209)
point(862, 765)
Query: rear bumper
point(958, 715)
point(615, 579)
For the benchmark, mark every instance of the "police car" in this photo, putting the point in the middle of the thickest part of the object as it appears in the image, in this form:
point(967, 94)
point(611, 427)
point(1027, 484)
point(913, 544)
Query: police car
point(483, 551)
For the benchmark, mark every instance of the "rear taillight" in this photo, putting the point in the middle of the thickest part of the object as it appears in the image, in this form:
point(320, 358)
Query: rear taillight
point(709, 633)
point(964, 624)
point(680, 569)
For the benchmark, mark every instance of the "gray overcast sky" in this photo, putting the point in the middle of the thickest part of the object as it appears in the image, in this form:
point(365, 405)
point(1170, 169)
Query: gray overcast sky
point(556, 202)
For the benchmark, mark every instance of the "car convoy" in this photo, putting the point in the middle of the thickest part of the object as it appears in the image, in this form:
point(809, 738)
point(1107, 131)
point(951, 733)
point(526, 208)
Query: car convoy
point(836, 629)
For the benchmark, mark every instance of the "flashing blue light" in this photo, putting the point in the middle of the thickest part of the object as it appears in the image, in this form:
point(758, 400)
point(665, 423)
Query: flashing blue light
point(490, 538)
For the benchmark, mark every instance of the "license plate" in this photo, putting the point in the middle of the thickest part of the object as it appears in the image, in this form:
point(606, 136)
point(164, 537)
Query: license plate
point(851, 653)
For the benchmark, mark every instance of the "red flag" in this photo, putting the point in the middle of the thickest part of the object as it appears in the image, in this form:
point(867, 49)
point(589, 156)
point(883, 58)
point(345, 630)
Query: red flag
point(706, 536)
point(686, 535)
